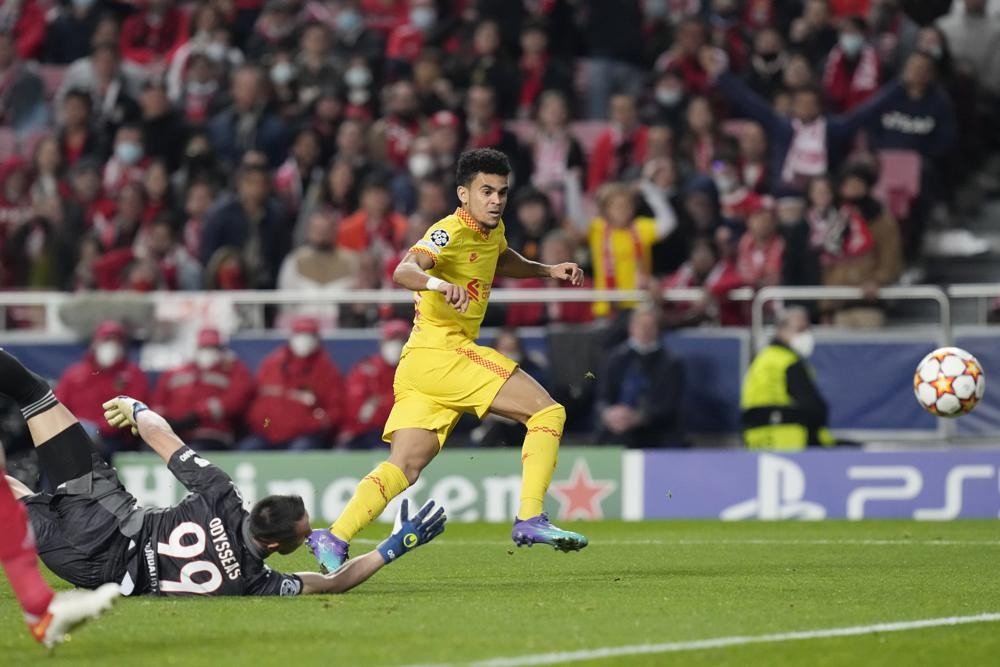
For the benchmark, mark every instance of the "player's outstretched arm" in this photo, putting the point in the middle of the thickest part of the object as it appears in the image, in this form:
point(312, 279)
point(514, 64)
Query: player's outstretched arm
point(411, 273)
point(126, 412)
point(408, 534)
point(512, 264)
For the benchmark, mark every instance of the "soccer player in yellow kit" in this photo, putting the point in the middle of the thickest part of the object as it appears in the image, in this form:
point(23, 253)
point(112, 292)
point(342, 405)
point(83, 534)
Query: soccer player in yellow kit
point(443, 372)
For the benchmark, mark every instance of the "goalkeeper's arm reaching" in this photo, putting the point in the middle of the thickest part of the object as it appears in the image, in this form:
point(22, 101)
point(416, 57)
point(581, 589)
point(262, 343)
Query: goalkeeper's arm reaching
point(408, 532)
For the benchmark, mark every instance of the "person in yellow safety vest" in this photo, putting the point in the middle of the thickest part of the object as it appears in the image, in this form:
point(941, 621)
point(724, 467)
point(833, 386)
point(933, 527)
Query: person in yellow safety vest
point(781, 405)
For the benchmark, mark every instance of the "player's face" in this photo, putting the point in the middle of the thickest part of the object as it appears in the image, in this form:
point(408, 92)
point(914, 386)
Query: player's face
point(302, 528)
point(485, 198)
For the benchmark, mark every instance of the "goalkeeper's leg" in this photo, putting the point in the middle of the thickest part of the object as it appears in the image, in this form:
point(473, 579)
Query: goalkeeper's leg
point(410, 452)
point(64, 448)
point(523, 399)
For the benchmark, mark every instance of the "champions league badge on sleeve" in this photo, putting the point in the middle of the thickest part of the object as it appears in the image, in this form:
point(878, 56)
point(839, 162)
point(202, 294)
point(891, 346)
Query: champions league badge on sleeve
point(440, 238)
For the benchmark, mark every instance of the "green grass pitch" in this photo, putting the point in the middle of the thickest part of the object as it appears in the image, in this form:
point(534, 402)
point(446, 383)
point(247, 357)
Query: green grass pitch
point(472, 596)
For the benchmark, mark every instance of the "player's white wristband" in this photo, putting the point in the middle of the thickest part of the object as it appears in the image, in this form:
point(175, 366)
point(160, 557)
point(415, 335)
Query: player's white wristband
point(434, 283)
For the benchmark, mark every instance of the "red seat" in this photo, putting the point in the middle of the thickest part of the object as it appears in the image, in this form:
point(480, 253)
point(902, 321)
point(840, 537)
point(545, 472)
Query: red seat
point(899, 180)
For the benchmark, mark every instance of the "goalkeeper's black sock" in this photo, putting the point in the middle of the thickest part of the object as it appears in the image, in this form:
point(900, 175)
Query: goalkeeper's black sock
point(30, 391)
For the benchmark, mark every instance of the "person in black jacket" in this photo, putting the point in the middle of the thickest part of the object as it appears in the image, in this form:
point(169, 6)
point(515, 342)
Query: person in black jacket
point(254, 223)
point(639, 389)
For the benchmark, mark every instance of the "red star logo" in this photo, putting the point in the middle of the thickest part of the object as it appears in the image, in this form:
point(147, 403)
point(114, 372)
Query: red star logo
point(580, 496)
point(943, 385)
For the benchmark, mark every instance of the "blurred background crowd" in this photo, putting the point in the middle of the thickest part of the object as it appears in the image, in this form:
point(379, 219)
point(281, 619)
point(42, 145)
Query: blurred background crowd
point(305, 144)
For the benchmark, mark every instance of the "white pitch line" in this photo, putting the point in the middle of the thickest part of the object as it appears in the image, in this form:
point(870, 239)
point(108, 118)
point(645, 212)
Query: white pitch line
point(718, 642)
point(452, 542)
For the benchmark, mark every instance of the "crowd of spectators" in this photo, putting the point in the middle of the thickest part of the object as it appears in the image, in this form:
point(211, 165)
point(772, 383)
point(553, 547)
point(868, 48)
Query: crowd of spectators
point(304, 144)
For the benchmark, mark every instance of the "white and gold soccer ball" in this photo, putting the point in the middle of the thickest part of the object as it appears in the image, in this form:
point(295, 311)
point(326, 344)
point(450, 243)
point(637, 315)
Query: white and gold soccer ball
point(949, 382)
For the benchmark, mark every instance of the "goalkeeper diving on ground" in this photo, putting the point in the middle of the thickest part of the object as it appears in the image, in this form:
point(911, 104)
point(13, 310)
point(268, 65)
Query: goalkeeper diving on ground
point(443, 372)
point(91, 531)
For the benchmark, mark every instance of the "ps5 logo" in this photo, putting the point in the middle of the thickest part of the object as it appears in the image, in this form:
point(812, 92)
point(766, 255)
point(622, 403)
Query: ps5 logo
point(782, 491)
point(781, 487)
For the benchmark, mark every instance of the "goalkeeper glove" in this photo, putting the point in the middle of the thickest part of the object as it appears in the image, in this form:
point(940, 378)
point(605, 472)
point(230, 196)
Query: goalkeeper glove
point(123, 411)
point(409, 533)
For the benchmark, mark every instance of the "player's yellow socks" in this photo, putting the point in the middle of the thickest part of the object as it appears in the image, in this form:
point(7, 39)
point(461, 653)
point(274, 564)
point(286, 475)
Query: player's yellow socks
point(538, 458)
point(374, 492)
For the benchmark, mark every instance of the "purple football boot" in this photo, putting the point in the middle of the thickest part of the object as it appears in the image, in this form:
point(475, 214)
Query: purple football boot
point(329, 550)
point(538, 530)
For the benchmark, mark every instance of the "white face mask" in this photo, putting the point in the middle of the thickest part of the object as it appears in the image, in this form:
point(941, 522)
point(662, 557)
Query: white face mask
point(303, 344)
point(357, 77)
point(207, 357)
point(851, 43)
point(107, 353)
point(358, 96)
point(725, 183)
point(420, 165)
point(669, 97)
point(803, 344)
point(391, 351)
point(423, 18)
point(282, 73)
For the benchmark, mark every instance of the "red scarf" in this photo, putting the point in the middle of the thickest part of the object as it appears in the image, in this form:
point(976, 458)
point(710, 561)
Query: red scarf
point(608, 255)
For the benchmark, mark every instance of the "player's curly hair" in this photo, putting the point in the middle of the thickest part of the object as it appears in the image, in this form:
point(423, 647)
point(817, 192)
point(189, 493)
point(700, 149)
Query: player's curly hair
point(481, 161)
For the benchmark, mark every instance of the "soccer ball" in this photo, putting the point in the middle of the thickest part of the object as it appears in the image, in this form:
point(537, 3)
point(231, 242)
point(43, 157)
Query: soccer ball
point(949, 382)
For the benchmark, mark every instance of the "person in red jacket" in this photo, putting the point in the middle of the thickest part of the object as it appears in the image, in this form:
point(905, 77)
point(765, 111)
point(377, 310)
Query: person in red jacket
point(299, 394)
point(369, 390)
point(151, 35)
point(104, 372)
point(205, 399)
point(620, 148)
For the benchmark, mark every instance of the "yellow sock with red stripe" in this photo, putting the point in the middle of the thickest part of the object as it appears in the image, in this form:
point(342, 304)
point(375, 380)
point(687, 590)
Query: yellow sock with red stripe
point(538, 458)
point(374, 492)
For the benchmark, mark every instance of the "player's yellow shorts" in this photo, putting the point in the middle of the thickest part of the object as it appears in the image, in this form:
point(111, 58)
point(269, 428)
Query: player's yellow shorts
point(433, 387)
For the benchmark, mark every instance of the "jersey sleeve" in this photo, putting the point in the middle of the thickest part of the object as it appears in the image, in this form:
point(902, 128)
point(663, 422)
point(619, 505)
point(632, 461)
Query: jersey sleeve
point(199, 475)
point(503, 238)
point(272, 582)
point(439, 241)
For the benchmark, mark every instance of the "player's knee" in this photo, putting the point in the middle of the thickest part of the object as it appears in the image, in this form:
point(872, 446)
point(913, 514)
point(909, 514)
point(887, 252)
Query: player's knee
point(553, 416)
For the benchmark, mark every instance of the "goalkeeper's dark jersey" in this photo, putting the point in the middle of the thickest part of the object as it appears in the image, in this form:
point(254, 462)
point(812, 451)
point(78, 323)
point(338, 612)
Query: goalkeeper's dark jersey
point(201, 546)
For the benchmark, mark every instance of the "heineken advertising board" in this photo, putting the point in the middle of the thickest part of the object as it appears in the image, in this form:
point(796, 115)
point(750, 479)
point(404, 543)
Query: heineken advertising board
point(474, 485)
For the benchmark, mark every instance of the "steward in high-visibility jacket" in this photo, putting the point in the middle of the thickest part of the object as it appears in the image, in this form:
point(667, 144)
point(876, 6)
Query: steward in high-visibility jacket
point(781, 406)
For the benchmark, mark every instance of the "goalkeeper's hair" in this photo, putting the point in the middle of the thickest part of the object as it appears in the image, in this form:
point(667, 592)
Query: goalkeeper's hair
point(273, 519)
point(481, 161)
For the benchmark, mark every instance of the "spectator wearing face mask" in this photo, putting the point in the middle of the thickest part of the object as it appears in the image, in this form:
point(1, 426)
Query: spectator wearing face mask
point(736, 200)
point(639, 389)
point(861, 246)
point(407, 39)
point(368, 390)
point(105, 371)
point(128, 163)
point(781, 406)
point(763, 73)
point(667, 103)
point(852, 71)
point(299, 395)
point(355, 32)
point(205, 399)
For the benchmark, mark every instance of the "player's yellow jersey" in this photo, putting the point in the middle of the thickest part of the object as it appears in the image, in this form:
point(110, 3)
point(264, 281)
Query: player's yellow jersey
point(463, 255)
